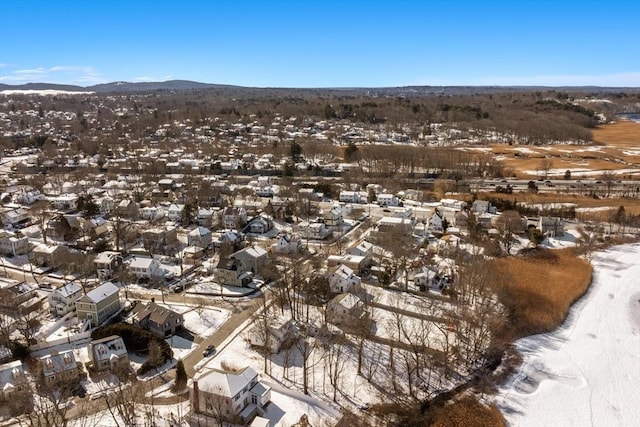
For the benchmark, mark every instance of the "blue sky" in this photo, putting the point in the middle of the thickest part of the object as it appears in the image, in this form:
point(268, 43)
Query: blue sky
point(309, 43)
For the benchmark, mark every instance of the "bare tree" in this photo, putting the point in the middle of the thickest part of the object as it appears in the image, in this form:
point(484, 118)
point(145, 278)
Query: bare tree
point(41, 213)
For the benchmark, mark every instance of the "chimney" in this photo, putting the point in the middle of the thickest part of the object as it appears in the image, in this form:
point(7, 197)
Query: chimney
point(195, 402)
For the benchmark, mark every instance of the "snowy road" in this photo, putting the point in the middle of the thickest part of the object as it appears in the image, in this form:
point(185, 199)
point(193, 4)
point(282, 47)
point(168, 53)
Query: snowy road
point(587, 373)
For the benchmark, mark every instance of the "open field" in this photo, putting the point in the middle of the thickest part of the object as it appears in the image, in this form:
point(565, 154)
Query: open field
point(616, 147)
point(540, 288)
point(621, 134)
point(585, 203)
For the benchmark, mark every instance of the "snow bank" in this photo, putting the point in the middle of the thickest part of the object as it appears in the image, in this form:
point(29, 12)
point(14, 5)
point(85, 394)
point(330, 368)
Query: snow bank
point(588, 371)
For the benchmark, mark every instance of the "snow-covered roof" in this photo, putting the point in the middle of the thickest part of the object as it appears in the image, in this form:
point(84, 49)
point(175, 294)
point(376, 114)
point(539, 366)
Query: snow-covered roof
point(101, 292)
point(227, 383)
point(69, 289)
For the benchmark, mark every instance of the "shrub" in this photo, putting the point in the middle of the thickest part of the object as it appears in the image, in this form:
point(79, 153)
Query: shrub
point(539, 289)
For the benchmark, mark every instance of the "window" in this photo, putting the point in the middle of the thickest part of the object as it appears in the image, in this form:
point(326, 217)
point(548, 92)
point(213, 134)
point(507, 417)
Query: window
point(254, 399)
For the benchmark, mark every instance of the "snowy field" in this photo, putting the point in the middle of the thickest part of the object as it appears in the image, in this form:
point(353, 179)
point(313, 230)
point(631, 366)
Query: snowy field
point(588, 371)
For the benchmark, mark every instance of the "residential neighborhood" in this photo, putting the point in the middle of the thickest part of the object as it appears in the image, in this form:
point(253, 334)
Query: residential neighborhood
point(246, 270)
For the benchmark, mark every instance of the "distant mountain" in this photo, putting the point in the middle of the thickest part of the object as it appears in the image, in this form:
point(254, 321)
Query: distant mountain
point(43, 86)
point(147, 86)
point(178, 85)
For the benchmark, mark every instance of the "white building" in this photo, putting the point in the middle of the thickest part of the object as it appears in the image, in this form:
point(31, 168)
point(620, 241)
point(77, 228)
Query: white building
point(385, 199)
point(63, 299)
point(145, 267)
point(343, 279)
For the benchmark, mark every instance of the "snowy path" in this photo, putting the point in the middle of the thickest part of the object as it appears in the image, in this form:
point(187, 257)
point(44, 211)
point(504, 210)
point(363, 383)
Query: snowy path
point(587, 373)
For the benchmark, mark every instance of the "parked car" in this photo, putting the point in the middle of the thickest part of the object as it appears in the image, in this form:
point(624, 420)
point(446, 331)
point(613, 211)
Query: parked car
point(208, 351)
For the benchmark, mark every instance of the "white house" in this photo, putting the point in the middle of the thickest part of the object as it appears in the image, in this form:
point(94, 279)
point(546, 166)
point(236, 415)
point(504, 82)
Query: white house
point(234, 217)
point(145, 267)
point(106, 263)
point(350, 197)
point(345, 308)
point(174, 213)
point(363, 249)
point(12, 244)
point(314, 230)
point(287, 243)
point(343, 279)
point(237, 394)
point(386, 199)
point(63, 299)
point(278, 333)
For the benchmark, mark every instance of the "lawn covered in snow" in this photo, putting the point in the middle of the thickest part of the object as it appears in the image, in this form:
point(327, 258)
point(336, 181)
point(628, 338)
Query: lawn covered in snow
point(588, 371)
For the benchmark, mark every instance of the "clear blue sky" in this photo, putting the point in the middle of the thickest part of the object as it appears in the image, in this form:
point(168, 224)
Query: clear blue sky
point(309, 43)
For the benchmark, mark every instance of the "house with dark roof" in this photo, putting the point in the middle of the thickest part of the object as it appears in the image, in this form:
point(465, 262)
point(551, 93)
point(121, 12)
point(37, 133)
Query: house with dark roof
point(156, 318)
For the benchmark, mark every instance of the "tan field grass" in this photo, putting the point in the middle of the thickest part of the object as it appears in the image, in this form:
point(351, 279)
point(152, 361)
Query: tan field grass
point(538, 289)
point(631, 206)
point(623, 134)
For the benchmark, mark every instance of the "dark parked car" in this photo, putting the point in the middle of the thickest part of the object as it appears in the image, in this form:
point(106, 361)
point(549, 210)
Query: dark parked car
point(209, 350)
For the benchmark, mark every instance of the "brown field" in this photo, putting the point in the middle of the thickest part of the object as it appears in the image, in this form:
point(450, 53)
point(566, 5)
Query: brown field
point(631, 206)
point(468, 412)
point(616, 146)
point(539, 289)
point(621, 134)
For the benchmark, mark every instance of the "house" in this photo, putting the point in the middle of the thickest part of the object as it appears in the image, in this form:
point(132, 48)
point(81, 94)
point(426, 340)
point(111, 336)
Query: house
point(13, 380)
point(251, 259)
point(145, 268)
point(354, 262)
point(551, 226)
point(18, 297)
point(109, 354)
point(59, 369)
point(15, 217)
point(279, 332)
point(436, 221)
point(363, 249)
point(483, 206)
point(346, 309)
point(63, 299)
point(287, 243)
point(238, 394)
point(386, 199)
point(97, 305)
point(454, 204)
point(199, 236)
point(343, 279)
point(229, 273)
point(12, 244)
point(234, 217)
point(106, 264)
point(159, 240)
point(152, 213)
point(155, 318)
point(314, 230)
point(334, 217)
point(174, 213)
point(350, 197)
point(49, 255)
point(261, 225)
point(206, 217)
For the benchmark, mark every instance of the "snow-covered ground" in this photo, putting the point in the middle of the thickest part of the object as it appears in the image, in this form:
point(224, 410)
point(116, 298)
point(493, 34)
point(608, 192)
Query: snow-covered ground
point(588, 371)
